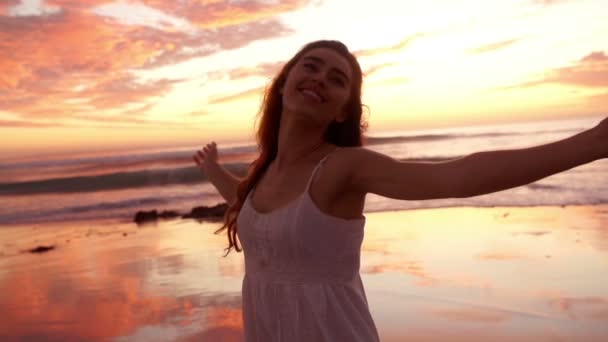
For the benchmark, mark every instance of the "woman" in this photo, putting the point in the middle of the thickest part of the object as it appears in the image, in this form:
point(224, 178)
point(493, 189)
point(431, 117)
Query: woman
point(298, 213)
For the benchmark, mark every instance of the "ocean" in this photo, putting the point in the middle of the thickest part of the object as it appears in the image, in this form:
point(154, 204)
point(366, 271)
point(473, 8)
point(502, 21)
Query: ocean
point(116, 186)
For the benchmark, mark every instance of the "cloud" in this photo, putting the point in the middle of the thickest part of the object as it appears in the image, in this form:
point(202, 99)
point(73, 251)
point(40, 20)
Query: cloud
point(125, 89)
point(393, 81)
point(582, 307)
point(590, 71)
point(598, 56)
point(178, 47)
point(492, 46)
point(249, 93)
point(219, 13)
point(27, 124)
point(375, 68)
point(205, 14)
point(389, 49)
point(532, 233)
point(6, 5)
point(599, 101)
point(265, 70)
point(547, 3)
point(498, 256)
point(25, 8)
point(197, 113)
point(72, 62)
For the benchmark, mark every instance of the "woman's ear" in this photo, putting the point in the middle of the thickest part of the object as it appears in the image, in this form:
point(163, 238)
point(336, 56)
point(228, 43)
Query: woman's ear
point(340, 118)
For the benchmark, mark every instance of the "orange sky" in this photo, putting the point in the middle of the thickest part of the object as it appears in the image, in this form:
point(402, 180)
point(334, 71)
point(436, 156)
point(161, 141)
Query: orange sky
point(79, 75)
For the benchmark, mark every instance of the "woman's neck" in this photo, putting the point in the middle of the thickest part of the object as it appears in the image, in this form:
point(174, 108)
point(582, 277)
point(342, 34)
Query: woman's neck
point(298, 142)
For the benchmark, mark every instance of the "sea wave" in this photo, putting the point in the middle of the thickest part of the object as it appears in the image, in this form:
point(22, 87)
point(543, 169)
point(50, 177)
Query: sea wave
point(114, 181)
point(456, 136)
point(130, 179)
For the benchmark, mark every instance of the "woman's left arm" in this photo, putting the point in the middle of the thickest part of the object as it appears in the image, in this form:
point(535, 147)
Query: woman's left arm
point(492, 171)
point(476, 174)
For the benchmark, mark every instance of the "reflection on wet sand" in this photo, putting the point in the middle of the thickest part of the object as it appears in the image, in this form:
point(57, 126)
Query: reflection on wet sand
point(500, 274)
point(129, 288)
point(512, 274)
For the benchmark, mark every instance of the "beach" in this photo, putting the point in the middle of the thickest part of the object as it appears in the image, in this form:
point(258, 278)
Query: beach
point(465, 273)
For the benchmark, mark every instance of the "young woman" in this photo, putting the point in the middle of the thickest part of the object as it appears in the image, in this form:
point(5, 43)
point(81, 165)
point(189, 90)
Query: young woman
point(298, 213)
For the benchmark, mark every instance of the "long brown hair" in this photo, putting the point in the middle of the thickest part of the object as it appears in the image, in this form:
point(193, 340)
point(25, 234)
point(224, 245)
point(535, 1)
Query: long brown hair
point(346, 133)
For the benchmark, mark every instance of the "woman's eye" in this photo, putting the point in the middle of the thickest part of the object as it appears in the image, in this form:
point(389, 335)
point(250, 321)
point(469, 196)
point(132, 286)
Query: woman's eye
point(310, 66)
point(338, 81)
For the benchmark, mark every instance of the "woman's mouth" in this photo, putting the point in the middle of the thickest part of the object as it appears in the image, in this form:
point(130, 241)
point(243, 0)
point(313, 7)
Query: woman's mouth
point(313, 95)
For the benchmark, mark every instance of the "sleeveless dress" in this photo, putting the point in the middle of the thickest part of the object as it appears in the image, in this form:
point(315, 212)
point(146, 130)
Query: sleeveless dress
point(302, 279)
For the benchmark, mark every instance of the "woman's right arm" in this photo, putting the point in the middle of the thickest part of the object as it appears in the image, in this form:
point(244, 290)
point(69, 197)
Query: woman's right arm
point(225, 182)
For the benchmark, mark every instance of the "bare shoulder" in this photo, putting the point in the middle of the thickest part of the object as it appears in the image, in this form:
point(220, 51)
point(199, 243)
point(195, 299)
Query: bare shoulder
point(365, 171)
point(357, 154)
point(332, 193)
point(348, 164)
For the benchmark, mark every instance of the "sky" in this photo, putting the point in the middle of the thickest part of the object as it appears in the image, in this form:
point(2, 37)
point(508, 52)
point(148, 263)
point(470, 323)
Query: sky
point(90, 75)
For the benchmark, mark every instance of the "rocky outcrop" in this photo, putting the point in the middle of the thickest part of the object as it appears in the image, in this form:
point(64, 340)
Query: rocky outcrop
point(212, 213)
point(215, 212)
point(153, 215)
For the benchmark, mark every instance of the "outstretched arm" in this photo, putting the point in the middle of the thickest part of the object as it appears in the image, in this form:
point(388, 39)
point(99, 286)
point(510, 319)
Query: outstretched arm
point(225, 182)
point(477, 174)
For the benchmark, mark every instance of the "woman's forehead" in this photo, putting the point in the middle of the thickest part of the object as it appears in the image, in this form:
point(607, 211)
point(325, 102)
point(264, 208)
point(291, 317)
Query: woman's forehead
point(329, 57)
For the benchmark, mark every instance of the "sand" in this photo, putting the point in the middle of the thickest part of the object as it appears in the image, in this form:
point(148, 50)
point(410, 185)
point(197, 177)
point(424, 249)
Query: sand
point(500, 274)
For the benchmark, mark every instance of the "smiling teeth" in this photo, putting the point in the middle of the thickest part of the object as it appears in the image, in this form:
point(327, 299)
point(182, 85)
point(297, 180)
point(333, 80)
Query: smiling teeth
point(312, 93)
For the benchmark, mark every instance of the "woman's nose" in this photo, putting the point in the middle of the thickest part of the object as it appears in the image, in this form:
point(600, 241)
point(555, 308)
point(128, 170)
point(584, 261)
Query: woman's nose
point(319, 79)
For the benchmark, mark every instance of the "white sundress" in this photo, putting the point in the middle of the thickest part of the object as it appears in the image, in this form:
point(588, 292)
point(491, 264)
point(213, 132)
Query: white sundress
point(302, 279)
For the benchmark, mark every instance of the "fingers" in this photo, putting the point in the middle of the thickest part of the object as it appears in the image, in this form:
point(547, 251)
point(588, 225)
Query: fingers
point(200, 155)
point(198, 162)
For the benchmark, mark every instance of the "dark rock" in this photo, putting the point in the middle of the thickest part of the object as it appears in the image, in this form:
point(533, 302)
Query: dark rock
point(168, 214)
point(145, 216)
point(215, 212)
point(153, 215)
point(41, 249)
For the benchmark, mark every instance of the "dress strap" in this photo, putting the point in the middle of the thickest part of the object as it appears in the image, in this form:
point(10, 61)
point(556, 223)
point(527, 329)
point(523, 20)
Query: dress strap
point(314, 171)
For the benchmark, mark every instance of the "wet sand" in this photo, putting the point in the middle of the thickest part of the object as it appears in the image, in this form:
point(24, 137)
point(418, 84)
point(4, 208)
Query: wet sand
point(500, 274)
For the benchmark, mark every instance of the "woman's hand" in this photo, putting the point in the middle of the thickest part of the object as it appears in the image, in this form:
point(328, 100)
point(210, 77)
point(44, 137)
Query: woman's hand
point(602, 133)
point(206, 157)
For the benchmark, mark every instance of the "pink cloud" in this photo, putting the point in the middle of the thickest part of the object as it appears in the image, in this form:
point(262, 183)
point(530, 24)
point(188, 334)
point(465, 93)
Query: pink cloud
point(215, 13)
point(74, 63)
point(582, 307)
point(590, 71)
point(6, 5)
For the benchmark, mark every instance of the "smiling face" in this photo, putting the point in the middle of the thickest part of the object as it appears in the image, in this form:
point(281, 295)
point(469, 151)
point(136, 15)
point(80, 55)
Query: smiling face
point(318, 85)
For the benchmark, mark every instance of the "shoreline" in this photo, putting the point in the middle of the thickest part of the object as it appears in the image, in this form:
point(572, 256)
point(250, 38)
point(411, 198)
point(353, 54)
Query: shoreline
point(517, 274)
point(125, 220)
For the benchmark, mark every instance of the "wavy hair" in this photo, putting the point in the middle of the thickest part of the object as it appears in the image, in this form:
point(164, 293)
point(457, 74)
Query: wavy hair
point(347, 133)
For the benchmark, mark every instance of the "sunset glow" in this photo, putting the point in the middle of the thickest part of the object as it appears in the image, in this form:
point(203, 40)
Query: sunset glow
point(80, 75)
